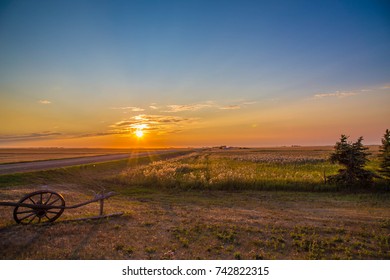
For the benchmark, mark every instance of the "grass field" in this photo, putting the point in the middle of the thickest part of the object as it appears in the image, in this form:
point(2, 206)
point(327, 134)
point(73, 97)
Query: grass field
point(208, 204)
point(36, 154)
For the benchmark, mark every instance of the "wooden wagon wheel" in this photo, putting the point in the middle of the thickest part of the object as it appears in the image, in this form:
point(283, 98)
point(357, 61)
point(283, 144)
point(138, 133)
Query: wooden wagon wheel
point(26, 215)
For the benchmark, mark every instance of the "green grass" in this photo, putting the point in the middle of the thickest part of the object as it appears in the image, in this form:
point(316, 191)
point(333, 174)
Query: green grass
point(89, 174)
point(230, 171)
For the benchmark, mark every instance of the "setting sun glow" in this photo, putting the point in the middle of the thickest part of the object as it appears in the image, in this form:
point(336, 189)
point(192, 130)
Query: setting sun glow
point(139, 133)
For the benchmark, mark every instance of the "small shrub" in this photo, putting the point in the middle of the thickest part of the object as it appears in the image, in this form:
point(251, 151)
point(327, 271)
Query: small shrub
point(150, 250)
point(258, 257)
point(353, 157)
point(228, 236)
point(184, 241)
point(128, 249)
point(385, 156)
point(385, 223)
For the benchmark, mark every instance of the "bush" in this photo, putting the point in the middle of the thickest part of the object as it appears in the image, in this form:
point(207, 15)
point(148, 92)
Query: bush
point(353, 157)
point(385, 156)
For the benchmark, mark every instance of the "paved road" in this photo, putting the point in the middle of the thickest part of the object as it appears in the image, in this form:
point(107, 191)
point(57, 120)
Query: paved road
point(11, 168)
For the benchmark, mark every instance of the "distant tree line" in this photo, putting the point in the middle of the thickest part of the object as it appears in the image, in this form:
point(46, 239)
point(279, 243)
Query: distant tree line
point(353, 156)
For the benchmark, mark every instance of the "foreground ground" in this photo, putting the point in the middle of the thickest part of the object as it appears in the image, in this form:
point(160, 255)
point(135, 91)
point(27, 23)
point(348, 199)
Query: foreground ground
point(163, 223)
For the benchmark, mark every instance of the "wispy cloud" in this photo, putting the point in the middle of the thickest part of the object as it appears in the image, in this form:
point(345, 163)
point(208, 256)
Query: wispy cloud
point(238, 105)
point(343, 94)
point(160, 124)
point(177, 108)
point(30, 136)
point(248, 102)
point(131, 108)
point(44, 102)
point(189, 107)
point(337, 94)
point(95, 134)
point(205, 105)
point(230, 107)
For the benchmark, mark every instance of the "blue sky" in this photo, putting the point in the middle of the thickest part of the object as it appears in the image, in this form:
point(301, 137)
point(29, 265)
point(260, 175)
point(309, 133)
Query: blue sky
point(102, 54)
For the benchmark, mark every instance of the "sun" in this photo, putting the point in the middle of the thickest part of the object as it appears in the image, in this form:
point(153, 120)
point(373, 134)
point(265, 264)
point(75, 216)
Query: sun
point(139, 133)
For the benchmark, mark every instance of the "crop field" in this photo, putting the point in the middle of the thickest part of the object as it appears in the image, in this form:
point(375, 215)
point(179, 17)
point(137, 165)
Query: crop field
point(237, 170)
point(36, 154)
point(268, 203)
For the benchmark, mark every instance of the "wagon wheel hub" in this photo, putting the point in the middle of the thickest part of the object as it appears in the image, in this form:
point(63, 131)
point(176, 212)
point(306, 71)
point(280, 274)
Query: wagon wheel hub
point(40, 213)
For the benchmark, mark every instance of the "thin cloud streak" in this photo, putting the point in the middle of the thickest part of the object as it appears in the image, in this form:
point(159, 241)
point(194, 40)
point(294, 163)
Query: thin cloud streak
point(131, 108)
point(190, 107)
point(249, 102)
point(44, 102)
point(231, 107)
point(97, 134)
point(161, 124)
point(343, 94)
point(30, 136)
point(206, 105)
point(338, 94)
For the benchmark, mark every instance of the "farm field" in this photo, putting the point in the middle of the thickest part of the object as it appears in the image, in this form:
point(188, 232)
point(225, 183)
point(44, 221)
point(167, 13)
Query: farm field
point(208, 204)
point(38, 154)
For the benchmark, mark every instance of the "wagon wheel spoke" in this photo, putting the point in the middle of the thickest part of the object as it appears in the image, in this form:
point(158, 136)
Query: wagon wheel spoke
point(51, 203)
point(27, 211)
point(46, 198)
point(31, 200)
point(32, 220)
point(51, 212)
point(28, 216)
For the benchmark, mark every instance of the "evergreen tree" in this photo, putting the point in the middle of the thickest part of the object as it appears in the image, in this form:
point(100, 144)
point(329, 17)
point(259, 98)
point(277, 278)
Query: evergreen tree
point(385, 156)
point(353, 157)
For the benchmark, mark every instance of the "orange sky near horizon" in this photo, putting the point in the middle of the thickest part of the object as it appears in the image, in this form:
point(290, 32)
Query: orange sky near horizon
point(315, 120)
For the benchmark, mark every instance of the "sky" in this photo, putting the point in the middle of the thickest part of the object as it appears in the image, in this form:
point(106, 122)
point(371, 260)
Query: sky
point(139, 73)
